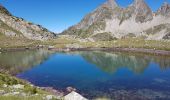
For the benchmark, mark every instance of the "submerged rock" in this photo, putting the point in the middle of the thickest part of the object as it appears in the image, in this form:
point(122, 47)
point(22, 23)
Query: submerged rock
point(74, 96)
point(70, 89)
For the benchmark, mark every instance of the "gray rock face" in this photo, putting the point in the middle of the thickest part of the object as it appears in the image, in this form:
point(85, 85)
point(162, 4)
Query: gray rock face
point(4, 10)
point(118, 22)
point(14, 26)
point(164, 10)
point(95, 21)
point(101, 13)
point(111, 4)
point(142, 12)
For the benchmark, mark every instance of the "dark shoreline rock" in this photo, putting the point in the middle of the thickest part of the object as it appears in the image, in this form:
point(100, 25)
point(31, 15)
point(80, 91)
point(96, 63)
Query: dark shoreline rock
point(53, 91)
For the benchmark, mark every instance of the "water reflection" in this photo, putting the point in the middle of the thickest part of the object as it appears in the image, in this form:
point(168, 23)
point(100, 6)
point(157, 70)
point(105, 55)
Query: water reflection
point(111, 62)
point(20, 61)
point(95, 74)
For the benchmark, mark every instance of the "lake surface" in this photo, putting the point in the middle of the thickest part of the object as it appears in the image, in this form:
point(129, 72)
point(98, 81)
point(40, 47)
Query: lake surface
point(120, 76)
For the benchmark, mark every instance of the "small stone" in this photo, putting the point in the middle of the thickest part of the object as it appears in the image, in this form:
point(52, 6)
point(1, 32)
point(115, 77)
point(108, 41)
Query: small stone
point(15, 93)
point(2, 91)
point(49, 97)
point(18, 86)
point(40, 46)
point(23, 94)
point(50, 47)
point(4, 85)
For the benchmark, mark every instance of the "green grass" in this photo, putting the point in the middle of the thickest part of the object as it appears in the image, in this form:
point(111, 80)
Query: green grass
point(21, 98)
point(20, 42)
point(131, 43)
point(16, 42)
point(62, 42)
point(9, 80)
point(103, 37)
point(28, 89)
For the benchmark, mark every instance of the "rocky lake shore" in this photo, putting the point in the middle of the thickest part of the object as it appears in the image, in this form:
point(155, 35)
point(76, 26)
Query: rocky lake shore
point(12, 88)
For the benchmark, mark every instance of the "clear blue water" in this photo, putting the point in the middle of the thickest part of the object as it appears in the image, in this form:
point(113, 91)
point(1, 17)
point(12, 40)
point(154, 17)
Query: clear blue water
point(102, 74)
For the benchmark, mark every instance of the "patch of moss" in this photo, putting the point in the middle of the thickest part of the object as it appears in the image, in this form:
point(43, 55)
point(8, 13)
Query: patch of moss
point(103, 37)
point(29, 89)
point(9, 80)
point(129, 35)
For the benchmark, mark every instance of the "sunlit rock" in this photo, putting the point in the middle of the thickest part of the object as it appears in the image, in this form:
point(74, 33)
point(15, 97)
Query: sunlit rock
point(74, 96)
point(18, 86)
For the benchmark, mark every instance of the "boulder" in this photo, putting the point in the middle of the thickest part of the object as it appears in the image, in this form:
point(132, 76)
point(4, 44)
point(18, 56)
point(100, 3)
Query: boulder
point(74, 96)
point(51, 47)
point(4, 85)
point(70, 89)
point(49, 97)
point(2, 92)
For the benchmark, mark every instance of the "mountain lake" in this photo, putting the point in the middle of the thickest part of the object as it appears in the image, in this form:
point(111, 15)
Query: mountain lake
point(93, 74)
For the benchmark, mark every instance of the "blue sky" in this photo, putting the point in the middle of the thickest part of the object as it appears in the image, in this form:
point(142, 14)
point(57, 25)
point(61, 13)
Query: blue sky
point(57, 15)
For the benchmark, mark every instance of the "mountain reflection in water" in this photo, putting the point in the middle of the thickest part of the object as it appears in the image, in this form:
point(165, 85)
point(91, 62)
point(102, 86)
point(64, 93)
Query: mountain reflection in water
point(111, 62)
point(95, 74)
point(19, 61)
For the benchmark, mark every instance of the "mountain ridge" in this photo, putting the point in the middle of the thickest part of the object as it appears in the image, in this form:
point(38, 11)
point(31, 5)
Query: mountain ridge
point(12, 26)
point(111, 20)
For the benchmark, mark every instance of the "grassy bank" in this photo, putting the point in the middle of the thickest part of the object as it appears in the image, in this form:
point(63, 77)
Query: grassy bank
point(20, 42)
point(16, 42)
point(66, 42)
point(12, 88)
point(131, 43)
point(123, 43)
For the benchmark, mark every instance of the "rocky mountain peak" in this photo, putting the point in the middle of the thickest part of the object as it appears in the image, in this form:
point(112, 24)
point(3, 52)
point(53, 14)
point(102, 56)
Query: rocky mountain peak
point(109, 21)
point(164, 10)
point(4, 10)
point(142, 11)
point(139, 1)
point(111, 4)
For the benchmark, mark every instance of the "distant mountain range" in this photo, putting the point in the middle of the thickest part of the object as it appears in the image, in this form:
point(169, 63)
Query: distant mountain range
point(109, 21)
point(12, 26)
